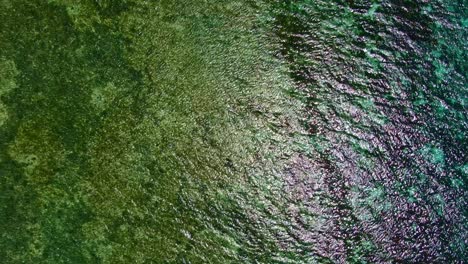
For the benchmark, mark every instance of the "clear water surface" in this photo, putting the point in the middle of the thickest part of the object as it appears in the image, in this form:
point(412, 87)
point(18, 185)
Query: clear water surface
point(233, 131)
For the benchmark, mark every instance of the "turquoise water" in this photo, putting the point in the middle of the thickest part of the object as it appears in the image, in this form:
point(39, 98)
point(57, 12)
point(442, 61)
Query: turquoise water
point(233, 131)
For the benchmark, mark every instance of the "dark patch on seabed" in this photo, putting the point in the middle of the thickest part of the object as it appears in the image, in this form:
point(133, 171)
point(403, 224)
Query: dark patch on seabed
point(385, 88)
point(233, 131)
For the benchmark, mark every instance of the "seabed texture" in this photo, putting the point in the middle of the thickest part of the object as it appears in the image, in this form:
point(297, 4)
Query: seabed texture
point(233, 131)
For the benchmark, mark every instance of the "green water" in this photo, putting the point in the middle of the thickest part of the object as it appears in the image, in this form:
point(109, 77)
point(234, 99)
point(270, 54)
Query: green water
point(233, 131)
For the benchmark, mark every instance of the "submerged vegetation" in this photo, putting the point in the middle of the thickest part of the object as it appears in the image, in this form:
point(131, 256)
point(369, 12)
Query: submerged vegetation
point(232, 131)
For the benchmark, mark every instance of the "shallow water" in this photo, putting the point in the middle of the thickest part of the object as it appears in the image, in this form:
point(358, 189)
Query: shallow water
point(233, 131)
